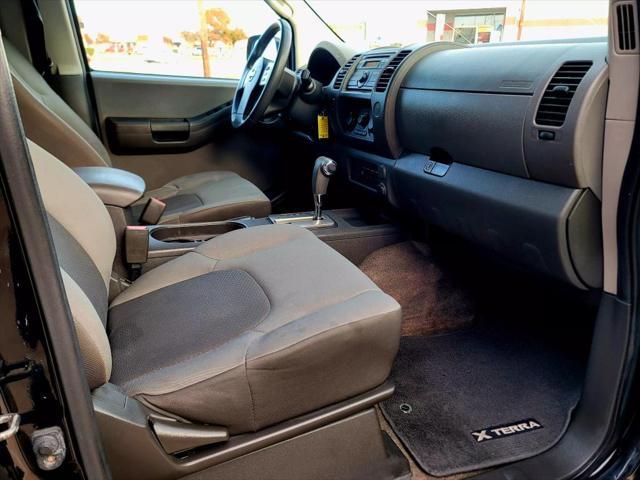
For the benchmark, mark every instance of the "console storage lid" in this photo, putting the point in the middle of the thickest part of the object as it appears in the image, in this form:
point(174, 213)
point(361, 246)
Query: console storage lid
point(114, 186)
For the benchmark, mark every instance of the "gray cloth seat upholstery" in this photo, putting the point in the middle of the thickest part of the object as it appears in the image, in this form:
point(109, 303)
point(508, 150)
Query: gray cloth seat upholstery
point(52, 124)
point(253, 327)
point(209, 196)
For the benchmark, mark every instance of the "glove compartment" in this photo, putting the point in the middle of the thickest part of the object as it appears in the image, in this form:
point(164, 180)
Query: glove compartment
point(546, 228)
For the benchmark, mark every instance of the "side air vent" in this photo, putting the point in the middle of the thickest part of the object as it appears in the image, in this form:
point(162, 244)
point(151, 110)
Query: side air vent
point(626, 28)
point(387, 73)
point(555, 101)
point(343, 72)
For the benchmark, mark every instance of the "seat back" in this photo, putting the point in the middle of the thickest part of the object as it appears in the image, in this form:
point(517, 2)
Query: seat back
point(48, 120)
point(85, 245)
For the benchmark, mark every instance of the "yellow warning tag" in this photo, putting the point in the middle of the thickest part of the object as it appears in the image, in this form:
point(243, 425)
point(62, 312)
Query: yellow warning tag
point(323, 126)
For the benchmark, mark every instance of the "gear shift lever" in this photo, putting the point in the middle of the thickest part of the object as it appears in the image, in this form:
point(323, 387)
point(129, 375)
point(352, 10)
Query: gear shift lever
point(322, 170)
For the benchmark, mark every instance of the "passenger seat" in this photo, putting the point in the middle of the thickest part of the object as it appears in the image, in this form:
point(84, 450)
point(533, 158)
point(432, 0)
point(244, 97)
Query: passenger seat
point(52, 124)
point(252, 328)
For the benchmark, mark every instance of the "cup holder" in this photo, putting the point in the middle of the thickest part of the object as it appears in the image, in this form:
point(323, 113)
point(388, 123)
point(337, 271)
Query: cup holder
point(193, 232)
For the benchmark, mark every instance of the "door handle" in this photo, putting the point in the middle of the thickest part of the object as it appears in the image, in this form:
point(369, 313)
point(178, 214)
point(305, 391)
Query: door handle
point(170, 130)
point(129, 136)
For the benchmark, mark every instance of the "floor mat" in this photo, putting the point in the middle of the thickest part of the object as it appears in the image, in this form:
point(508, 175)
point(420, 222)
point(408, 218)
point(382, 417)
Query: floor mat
point(482, 397)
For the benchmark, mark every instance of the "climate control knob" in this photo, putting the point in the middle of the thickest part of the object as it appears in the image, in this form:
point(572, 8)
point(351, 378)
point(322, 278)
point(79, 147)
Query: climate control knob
point(363, 79)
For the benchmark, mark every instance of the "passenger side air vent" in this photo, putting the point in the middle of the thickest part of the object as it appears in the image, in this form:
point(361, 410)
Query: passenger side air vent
point(343, 72)
point(387, 73)
point(555, 101)
point(626, 41)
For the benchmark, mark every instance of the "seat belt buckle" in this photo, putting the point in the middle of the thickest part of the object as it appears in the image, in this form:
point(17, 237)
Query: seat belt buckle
point(136, 244)
point(152, 212)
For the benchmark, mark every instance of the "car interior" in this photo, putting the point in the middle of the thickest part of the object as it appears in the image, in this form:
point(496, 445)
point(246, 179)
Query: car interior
point(392, 263)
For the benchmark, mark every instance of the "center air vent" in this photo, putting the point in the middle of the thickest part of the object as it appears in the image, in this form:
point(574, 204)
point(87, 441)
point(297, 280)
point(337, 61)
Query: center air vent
point(561, 89)
point(387, 73)
point(343, 72)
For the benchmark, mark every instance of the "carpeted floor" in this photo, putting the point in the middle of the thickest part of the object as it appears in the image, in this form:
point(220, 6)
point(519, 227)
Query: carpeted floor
point(432, 298)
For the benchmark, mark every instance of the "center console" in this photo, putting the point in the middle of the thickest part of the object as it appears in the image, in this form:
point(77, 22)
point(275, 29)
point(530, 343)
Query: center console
point(351, 232)
point(361, 99)
point(142, 247)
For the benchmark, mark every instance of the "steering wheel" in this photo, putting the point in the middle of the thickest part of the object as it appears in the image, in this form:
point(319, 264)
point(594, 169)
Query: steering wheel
point(261, 77)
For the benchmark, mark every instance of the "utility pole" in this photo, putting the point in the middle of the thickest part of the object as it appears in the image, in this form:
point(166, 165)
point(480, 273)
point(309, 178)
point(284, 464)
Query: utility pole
point(204, 40)
point(521, 19)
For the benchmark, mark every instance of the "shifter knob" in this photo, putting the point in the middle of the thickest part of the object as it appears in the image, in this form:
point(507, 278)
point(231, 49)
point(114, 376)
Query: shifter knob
point(322, 170)
point(329, 167)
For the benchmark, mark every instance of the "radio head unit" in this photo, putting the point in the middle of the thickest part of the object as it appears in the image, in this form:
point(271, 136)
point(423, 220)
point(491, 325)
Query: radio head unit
point(359, 95)
point(367, 71)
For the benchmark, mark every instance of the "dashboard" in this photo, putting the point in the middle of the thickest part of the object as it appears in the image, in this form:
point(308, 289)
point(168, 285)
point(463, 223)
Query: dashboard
point(501, 143)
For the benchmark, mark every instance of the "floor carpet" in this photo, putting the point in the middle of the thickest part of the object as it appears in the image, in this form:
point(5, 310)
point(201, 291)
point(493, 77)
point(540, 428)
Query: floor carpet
point(429, 292)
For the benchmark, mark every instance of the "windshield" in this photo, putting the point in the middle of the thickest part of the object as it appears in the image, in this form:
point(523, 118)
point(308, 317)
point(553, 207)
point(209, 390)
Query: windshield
point(365, 25)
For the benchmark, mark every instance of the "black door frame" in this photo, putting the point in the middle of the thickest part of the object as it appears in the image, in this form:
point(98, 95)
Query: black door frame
point(64, 368)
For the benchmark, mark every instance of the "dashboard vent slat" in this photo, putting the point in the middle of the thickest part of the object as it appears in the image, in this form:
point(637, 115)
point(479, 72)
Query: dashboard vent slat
point(342, 73)
point(390, 69)
point(556, 99)
point(626, 28)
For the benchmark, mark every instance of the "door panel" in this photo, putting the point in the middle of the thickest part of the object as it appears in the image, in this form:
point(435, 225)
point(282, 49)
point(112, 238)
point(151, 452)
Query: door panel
point(134, 108)
point(137, 95)
point(149, 114)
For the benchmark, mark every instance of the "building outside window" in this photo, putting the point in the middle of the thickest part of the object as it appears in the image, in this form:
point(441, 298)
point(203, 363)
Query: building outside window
point(463, 21)
point(466, 26)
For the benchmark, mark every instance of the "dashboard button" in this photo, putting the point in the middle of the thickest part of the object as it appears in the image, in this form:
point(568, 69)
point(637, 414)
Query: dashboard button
point(546, 135)
point(440, 169)
point(428, 166)
point(377, 110)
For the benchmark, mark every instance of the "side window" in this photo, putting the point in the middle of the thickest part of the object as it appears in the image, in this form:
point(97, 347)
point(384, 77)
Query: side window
point(196, 38)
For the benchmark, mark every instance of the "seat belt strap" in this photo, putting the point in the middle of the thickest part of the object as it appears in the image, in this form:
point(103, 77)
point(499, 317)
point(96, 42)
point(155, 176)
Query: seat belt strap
point(35, 35)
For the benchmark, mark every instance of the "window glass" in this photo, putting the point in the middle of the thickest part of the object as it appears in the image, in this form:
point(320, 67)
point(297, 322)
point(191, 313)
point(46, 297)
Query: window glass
point(199, 38)
point(402, 22)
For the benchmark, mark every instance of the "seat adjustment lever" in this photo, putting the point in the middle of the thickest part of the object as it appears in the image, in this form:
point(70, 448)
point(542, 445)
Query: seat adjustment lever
point(177, 437)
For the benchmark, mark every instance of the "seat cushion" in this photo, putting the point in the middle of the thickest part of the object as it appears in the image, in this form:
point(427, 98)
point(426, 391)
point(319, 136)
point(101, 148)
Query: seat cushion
point(253, 327)
point(209, 196)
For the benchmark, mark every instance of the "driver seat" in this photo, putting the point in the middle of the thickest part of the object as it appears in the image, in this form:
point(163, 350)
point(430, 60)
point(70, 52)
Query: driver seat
point(52, 124)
